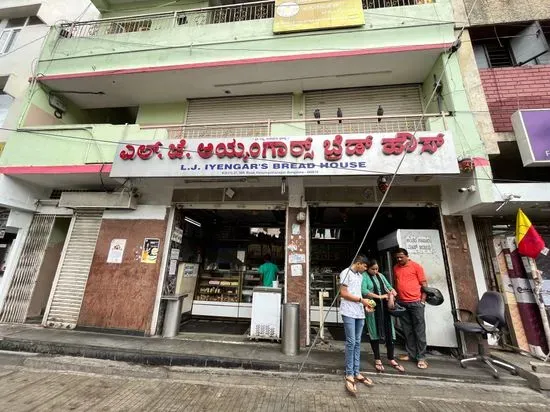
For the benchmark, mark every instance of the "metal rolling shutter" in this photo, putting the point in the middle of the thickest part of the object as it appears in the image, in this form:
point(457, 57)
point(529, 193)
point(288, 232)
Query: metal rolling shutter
point(22, 285)
point(397, 100)
point(240, 109)
point(72, 276)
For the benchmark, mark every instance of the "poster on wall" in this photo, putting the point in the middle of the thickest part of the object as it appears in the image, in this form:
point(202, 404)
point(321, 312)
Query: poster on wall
point(116, 251)
point(150, 251)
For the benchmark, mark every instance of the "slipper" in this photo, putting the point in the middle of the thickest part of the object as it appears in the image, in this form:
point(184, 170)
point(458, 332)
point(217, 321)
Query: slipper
point(363, 379)
point(404, 358)
point(378, 365)
point(350, 386)
point(422, 364)
point(396, 366)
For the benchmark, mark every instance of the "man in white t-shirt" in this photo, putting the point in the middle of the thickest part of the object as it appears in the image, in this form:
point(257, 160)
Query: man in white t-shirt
point(352, 309)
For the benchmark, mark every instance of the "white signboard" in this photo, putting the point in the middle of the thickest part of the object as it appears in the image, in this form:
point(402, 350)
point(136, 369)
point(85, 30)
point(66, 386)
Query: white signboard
point(348, 154)
point(116, 251)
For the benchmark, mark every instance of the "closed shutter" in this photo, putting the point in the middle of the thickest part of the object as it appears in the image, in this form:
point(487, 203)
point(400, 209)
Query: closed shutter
point(72, 275)
point(395, 100)
point(254, 110)
point(22, 284)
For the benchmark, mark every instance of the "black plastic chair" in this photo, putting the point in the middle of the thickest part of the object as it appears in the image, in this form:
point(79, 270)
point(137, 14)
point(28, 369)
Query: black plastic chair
point(490, 319)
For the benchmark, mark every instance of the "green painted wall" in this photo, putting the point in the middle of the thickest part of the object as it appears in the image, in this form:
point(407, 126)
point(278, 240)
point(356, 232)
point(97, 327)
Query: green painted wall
point(170, 113)
point(169, 45)
point(467, 140)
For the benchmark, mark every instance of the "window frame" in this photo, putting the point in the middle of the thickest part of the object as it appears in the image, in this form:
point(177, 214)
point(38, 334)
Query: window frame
point(14, 32)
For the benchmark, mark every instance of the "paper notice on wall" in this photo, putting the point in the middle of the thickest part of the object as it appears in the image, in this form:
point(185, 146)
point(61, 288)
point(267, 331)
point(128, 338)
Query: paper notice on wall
point(295, 229)
point(173, 267)
point(174, 253)
point(177, 235)
point(241, 255)
point(150, 250)
point(296, 270)
point(296, 258)
point(116, 251)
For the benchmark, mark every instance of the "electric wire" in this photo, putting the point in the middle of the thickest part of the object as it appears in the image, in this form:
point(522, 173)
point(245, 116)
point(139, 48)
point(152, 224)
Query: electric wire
point(337, 294)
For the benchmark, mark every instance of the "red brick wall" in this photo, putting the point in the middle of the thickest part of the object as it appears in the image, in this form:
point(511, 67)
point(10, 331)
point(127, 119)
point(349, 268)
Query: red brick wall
point(508, 89)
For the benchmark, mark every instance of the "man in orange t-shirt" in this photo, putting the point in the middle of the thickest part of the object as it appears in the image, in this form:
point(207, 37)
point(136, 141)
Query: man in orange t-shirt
point(409, 279)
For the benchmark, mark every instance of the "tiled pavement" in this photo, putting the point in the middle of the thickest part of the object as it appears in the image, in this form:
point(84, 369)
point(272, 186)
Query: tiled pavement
point(43, 384)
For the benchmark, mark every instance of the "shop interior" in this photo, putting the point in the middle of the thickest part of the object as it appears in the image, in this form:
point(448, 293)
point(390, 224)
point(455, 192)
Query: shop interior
point(336, 232)
point(227, 247)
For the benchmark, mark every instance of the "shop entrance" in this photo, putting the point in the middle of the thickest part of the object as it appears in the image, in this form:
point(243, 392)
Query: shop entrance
point(217, 264)
point(336, 233)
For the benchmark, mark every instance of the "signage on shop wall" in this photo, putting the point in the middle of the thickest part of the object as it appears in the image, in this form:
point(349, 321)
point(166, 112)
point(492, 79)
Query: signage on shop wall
point(340, 154)
point(305, 15)
point(532, 129)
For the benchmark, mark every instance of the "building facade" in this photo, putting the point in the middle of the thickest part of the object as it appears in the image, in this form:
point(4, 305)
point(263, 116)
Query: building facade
point(505, 64)
point(178, 144)
point(24, 25)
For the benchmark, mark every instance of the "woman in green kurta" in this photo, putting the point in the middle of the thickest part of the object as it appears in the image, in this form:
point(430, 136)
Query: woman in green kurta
point(379, 323)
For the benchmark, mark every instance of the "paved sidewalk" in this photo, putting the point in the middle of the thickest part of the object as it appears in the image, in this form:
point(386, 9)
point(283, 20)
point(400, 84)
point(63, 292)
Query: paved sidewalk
point(258, 356)
point(41, 383)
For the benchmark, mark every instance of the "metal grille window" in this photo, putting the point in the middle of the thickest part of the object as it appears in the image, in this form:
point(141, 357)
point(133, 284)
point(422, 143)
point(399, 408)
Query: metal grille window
point(491, 54)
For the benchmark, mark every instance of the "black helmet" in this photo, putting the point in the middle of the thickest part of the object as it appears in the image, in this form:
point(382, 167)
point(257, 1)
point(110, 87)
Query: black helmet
point(433, 296)
point(397, 310)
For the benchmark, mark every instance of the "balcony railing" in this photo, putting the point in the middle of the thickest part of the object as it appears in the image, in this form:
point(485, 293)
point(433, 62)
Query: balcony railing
point(196, 17)
point(163, 21)
point(364, 124)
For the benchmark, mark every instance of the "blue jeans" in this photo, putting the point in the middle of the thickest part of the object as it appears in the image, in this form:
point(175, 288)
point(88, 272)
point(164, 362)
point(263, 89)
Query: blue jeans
point(353, 328)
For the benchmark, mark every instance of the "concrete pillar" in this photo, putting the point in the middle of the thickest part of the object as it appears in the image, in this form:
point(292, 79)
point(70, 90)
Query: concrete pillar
point(461, 268)
point(297, 255)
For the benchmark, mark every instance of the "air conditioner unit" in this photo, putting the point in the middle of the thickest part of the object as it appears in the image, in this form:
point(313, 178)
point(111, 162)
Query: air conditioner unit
point(98, 200)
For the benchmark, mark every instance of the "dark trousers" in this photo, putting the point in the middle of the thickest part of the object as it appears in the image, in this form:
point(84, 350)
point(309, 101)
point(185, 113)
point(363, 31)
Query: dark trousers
point(390, 346)
point(414, 329)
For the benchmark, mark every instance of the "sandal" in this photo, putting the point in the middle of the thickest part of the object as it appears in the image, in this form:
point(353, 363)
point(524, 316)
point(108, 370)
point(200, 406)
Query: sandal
point(397, 366)
point(422, 364)
point(378, 365)
point(404, 358)
point(363, 379)
point(350, 386)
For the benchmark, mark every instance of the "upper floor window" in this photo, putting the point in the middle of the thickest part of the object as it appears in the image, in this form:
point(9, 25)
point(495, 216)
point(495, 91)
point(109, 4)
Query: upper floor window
point(511, 45)
point(13, 28)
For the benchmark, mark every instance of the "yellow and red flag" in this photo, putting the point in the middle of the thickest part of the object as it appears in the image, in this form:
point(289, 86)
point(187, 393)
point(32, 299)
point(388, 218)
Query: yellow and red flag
point(530, 243)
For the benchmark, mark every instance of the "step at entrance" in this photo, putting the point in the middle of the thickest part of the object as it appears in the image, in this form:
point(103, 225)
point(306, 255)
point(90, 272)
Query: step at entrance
point(72, 276)
point(23, 281)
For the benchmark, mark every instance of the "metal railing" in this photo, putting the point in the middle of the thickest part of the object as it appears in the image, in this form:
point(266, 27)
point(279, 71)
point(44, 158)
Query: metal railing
point(163, 21)
point(195, 17)
point(362, 124)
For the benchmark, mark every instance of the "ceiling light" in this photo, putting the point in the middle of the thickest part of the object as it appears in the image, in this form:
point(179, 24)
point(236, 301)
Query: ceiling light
point(193, 222)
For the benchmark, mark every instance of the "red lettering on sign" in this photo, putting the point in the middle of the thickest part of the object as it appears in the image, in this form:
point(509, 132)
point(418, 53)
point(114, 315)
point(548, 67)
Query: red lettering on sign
point(333, 151)
point(431, 144)
point(147, 151)
point(401, 141)
point(205, 151)
point(278, 149)
point(177, 151)
point(301, 147)
point(358, 146)
point(129, 153)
